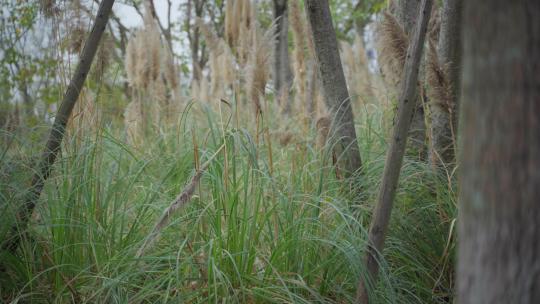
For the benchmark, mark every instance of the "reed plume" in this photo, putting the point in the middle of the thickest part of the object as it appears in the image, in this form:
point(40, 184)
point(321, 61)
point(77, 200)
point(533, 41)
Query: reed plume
point(258, 65)
point(392, 44)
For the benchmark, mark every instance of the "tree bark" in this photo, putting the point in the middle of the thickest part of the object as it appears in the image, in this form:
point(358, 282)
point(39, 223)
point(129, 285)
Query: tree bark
point(499, 218)
point(394, 158)
point(334, 86)
point(282, 69)
point(58, 129)
point(406, 13)
point(444, 118)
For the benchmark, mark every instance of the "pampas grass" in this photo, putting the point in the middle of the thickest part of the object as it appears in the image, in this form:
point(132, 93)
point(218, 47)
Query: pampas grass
point(438, 84)
point(298, 27)
point(154, 80)
point(258, 66)
point(392, 44)
point(356, 70)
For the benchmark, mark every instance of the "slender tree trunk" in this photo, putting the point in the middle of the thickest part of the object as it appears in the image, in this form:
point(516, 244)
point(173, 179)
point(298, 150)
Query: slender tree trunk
point(406, 13)
point(444, 116)
point(499, 218)
point(335, 88)
point(58, 129)
point(282, 70)
point(394, 159)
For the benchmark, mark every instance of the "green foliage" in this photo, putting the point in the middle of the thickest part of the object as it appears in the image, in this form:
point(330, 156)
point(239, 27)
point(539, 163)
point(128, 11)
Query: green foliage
point(23, 64)
point(255, 232)
point(351, 16)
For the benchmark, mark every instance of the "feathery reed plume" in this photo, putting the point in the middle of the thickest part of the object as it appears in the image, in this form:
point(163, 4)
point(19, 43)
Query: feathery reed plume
point(153, 76)
point(210, 36)
point(245, 43)
point(323, 128)
point(131, 62)
point(442, 106)
point(229, 22)
point(392, 44)
point(195, 89)
point(85, 118)
point(76, 38)
point(199, 89)
point(434, 25)
point(133, 122)
point(285, 138)
point(77, 28)
point(439, 88)
point(216, 48)
point(181, 200)
point(170, 71)
point(299, 62)
point(356, 70)
point(258, 64)
point(227, 66)
point(103, 57)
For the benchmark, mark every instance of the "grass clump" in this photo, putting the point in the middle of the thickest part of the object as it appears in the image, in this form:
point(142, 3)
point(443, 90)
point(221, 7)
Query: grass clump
point(268, 223)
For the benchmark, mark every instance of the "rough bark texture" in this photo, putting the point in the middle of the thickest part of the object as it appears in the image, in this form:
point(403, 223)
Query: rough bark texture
point(444, 118)
point(406, 13)
point(499, 219)
point(58, 129)
point(282, 68)
point(394, 158)
point(334, 86)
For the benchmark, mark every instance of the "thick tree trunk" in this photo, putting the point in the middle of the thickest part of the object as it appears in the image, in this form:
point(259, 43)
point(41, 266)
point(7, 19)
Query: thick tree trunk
point(334, 86)
point(58, 129)
point(444, 117)
point(406, 13)
point(394, 159)
point(499, 219)
point(282, 69)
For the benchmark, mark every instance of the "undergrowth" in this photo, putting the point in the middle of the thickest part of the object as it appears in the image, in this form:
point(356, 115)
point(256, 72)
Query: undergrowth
point(269, 223)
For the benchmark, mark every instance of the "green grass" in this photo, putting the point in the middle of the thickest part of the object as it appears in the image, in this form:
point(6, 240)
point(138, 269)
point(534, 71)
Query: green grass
point(256, 231)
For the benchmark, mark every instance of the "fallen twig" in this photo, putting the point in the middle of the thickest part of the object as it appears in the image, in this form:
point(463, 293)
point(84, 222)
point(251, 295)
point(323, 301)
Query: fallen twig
point(178, 203)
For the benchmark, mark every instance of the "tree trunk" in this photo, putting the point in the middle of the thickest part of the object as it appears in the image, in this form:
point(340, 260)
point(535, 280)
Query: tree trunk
point(394, 159)
point(499, 219)
point(406, 13)
point(58, 129)
point(444, 117)
point(334, 86)
point(282, 70)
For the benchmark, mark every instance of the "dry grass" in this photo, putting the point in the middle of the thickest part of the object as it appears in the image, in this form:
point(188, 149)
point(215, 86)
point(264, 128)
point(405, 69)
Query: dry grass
point(258, 66)
point(438, 85)
point(298, 27)
point(154, 80)
point(392, 44)
point(357, 71)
